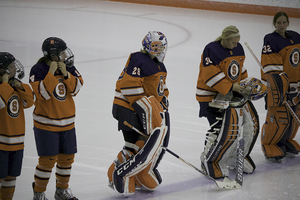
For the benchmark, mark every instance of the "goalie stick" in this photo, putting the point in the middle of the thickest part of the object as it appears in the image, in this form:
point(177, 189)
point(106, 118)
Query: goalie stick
point(226, 183)
point(286, 103)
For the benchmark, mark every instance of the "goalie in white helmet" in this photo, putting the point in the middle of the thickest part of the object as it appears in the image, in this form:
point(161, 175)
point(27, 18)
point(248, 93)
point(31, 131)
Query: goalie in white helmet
point(141, 100)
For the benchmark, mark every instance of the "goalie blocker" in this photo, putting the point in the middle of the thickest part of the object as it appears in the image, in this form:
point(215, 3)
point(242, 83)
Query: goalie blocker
point(220, 151)
point(139, 168)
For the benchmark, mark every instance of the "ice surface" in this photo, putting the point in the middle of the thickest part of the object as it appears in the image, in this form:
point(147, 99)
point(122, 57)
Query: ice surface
point(102, 34)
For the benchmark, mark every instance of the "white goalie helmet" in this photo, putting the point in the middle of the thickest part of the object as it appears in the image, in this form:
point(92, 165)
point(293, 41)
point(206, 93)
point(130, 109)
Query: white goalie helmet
point(155, 43)
point(255, 89)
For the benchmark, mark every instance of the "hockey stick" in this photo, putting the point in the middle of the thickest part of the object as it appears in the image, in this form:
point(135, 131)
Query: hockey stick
point(226, 184)
point(286, 103)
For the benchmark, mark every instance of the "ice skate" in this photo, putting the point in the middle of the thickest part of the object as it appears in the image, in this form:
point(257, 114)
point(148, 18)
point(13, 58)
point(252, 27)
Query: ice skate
point(64, 194)
point(38, 195)
point(275, 159)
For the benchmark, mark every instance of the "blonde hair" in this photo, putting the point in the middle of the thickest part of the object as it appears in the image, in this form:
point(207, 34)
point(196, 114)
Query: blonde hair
point(228, 32)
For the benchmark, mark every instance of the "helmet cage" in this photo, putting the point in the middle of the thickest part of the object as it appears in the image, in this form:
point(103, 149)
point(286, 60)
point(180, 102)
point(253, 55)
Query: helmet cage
point(67, 57)
point(19, 69)
point(10, 65)
point(155, 43)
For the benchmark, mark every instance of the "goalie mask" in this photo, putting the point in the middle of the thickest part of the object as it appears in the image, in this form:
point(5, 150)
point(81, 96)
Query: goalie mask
point(255, 89)
point(11, 66)
point(55, 47)
point(155, 43)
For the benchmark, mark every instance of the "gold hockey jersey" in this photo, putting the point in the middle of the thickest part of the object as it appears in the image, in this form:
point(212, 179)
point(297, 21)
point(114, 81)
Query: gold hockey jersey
point(142, 76)
point(12, 119)
point(54, 104)
point(281, 54)
point(219, 69)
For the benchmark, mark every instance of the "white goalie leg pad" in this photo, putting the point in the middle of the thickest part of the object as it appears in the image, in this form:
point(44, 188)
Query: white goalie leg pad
point(250, 129)
point(215, 160)
point(148, 155)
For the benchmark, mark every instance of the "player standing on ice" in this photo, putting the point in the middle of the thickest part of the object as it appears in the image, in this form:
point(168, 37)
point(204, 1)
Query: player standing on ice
point(141, 100)
point(15, 96)
point(55, 81)
point(280, 60)
point(223, 78)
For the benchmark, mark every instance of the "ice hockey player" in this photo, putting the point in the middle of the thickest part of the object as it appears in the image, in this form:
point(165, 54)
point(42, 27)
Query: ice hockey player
point(141, 100)
point(221, 81)
point(55, 81)
point(15, 96)
point(281, 73)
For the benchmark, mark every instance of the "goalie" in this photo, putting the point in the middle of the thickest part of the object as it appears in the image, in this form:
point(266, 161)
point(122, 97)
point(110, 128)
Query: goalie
point(224, 95)
point(281, 72)
point(141, 100)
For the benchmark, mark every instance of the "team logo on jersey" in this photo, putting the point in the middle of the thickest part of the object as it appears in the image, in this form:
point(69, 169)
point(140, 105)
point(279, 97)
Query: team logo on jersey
point(160, 88)
point(13, 108)
point(233, 70)
point(295, 57)
point(60, 91)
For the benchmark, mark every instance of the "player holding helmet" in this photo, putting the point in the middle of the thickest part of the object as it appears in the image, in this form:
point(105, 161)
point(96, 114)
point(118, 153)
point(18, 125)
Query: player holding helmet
point(141, 100)
point(222, 79)
point(55, 81)
point(15, 96)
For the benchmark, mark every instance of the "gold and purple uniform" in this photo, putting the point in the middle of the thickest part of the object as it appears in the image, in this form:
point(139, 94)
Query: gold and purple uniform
point(219, 69)
point(54, 105)
point(279, 55)
point(12, 120)
point(142, 76)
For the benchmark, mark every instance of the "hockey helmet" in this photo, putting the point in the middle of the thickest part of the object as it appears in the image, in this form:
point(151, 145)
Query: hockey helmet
point(10, 65)
point(155, 43)
point(56, 47)
point(255, 89)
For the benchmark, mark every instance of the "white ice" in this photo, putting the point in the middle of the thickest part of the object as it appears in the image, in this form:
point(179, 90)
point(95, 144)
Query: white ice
point(102, 34)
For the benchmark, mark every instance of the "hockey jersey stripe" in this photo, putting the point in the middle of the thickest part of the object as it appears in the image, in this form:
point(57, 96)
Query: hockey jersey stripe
point(137, 91)
point(204, 92)
point(43, 91)
point(271, 68)
point(215, 79)
point(58, 122)
point(12, 140)
point(2, 103)
point(120, 96)
point(77, 87)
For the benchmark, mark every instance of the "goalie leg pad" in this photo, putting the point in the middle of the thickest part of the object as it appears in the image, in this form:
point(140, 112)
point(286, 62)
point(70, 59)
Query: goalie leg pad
point(215, 160)
point(148, 155)
point(292, 145)
point(148, 110)
point(278, 85)
point(250, 134)
point(275, 132)
point(148, 178)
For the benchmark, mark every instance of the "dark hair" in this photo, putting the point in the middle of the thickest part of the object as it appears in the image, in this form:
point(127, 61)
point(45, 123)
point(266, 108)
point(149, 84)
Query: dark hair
point(279, 14)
